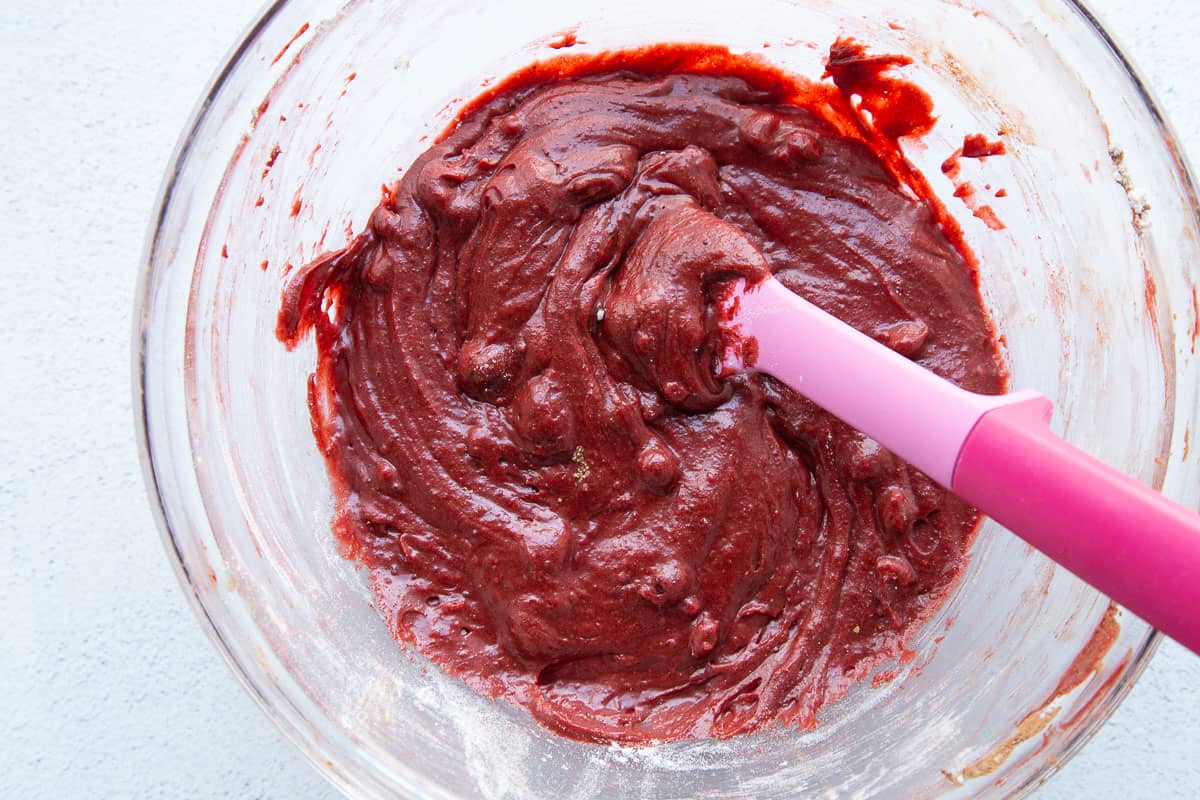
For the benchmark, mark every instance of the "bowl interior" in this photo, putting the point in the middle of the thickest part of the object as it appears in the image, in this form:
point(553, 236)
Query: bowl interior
point(1093, 294)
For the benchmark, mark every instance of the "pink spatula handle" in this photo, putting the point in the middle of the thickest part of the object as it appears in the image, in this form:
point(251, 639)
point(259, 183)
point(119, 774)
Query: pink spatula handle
point(998, 453)
point(1117, 534)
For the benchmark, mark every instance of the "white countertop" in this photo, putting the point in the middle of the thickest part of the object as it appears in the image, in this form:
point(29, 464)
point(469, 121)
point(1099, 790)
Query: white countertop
point(107, 686)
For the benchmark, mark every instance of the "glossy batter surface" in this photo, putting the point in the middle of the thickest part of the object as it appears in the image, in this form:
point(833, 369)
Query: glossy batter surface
point(555, 498)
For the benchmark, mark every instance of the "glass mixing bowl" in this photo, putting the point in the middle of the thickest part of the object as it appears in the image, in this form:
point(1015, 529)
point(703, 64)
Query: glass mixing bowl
point(1092, 283)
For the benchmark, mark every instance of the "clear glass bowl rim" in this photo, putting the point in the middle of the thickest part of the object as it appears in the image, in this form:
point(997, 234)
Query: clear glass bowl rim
point(263, 695)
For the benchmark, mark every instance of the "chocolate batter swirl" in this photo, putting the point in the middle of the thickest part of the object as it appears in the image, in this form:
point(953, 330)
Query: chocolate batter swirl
point(557, 500)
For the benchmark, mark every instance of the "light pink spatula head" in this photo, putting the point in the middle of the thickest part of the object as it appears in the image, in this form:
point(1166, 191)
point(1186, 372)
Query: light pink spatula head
point(996, 452)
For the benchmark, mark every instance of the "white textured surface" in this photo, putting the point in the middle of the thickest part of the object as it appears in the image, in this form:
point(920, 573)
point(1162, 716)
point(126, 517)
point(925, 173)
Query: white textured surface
point(107, 686)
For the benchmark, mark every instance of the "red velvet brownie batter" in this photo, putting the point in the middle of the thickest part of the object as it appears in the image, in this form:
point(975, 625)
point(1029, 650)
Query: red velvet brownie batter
point(556, 499)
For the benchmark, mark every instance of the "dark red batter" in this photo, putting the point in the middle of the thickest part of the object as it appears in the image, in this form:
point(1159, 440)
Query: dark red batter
point(557, 500)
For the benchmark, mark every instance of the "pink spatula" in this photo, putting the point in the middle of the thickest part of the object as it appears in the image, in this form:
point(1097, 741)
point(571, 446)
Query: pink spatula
point(996, 452)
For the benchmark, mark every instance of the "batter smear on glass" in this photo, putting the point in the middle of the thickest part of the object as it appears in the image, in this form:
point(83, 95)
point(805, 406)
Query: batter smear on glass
point(556, 499)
